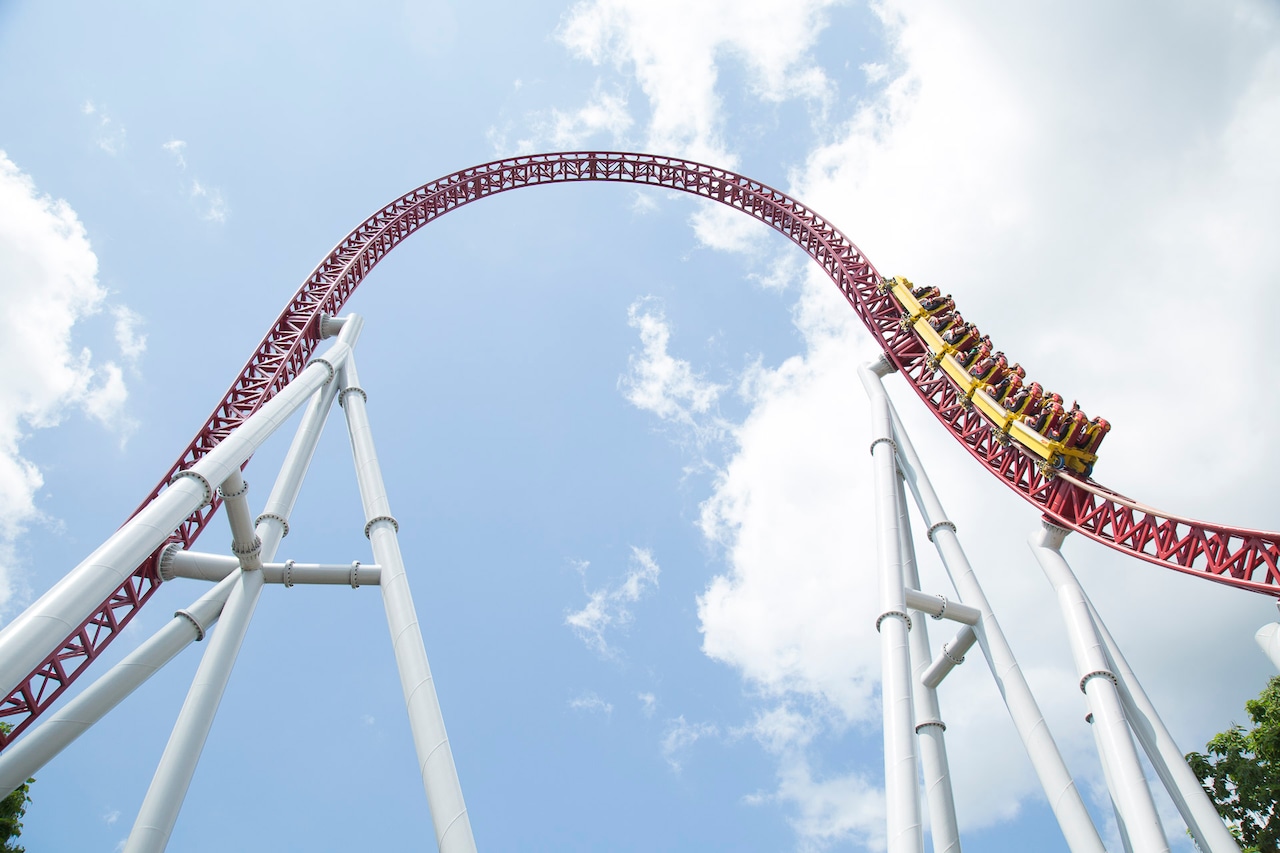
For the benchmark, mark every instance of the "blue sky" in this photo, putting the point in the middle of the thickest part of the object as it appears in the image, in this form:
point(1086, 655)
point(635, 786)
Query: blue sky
point(622, 431)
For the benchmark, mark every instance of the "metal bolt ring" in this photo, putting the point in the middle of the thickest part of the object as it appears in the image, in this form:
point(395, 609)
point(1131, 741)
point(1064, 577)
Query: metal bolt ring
point(195, 475)
point(889, 613)
point(883, 438)
point(350, 389)
point(284, 522)
point(939, 524)
point(327, 365)
point(374, 521)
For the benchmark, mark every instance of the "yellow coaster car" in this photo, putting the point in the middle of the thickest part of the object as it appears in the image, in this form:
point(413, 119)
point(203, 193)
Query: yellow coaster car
point(1055, 454)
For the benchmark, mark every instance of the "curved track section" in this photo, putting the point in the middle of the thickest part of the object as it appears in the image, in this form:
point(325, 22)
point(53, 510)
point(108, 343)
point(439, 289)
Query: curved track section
point(1241, 558)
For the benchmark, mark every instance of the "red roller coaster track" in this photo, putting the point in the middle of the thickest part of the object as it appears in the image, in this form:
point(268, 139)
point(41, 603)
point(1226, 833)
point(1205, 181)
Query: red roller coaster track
point(1238, 557)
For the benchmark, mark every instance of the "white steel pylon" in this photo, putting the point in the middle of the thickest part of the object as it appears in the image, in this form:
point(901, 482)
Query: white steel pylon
point(1120, 709)
point(239, 579)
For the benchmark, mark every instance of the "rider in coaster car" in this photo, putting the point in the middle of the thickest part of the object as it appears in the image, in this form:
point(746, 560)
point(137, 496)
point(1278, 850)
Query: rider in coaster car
point(962, 338)
point(977, 353)
point(1010, 384)
point(1072, 424)
point(990, 369)
point(945, 321)
point(922, 293)
point(1007, 381)
point(1049, 417)
point(1026, 401)
point(937, 304)
point(1091, 435)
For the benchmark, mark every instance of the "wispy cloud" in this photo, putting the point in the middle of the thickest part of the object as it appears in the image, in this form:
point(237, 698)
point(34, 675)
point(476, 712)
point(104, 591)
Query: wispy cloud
point(609, 608)
point(131, 341)
point(648, 703)
point(590, 703)
point(108, 134)
point(210, 201)
point(664, 385)
point(207, 200)
point(680, 736)
point(176, 147)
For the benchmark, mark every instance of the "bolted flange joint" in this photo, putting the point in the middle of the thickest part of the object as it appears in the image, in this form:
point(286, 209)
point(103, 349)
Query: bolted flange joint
point(885, 439)
point(928, 723)
point(164, 564)
point(938, 525)
point(899, 613)
point(374, 521)
point(351, 389)
point(244, 488)
point(244, 550)
point(193, 620)
point(327, 366)
point(284, 522)
point(1098, 673)
point(193, 475)
point(946, 653)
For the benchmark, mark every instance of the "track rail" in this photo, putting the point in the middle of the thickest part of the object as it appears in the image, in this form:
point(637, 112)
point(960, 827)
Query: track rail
point(1238, 557)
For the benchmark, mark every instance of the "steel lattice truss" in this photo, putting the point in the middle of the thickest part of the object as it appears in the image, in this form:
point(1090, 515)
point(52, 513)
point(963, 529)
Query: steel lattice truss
point(1234, 556)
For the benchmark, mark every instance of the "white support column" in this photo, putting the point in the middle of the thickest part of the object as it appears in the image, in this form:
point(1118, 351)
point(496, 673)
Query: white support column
point(160, 807)
point(26, 641)
point(199, 565)
point(1059, 788)
point(1099, 684)
point(435, 758)
point(901, 773)
point(31, 752)
point(1121, 829)
point(1268, 639)
point(169, 785)
point(251, 543)
point(943, 828)
point(1210, 833)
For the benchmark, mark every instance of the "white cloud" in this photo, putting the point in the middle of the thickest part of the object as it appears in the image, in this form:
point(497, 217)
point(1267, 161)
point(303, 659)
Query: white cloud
point(1111, 223)
point(680, 736)
point(672, 48)
point(875, 71)
point(591, 704)
point(207, 200)
point(847, 808)
point(648, 703)
point(110, 816)
point(605, 113)
point(176, 147)
point(108, 134)
point(210, 202)
point(667, 386)
point(780, 729)
point(49, 285)
point(131, 342)
point(609, 607)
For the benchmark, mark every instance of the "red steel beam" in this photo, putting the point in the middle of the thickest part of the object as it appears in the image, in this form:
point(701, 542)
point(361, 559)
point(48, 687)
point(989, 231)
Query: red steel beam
point(1242, 558)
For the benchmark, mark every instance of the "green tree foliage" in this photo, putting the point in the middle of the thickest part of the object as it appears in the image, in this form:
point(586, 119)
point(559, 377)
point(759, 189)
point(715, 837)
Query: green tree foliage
point(12, 808)
point(1241, 773)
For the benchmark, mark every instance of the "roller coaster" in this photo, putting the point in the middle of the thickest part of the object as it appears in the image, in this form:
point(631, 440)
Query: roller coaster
point(1048, 462)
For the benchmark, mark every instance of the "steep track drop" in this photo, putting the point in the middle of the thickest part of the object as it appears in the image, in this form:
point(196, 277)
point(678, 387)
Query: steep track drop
point(1238, 557)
